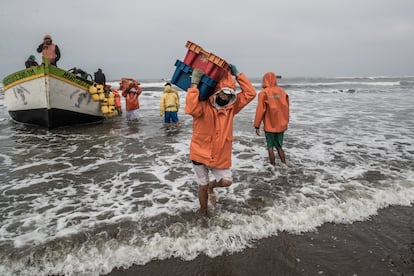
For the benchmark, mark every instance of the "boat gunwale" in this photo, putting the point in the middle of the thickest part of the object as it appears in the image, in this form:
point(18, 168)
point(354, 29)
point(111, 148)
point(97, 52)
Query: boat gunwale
point(39, 72)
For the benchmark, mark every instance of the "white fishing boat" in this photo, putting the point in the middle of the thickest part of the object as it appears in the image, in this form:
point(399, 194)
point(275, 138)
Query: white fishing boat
point(50, 97)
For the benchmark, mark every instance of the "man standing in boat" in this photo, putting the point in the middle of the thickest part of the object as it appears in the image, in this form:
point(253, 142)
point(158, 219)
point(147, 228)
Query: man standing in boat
point(99, 77)
point(49, 50)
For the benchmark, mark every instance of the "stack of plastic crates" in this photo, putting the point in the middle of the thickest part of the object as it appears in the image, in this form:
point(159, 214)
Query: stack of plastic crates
point(213, 66)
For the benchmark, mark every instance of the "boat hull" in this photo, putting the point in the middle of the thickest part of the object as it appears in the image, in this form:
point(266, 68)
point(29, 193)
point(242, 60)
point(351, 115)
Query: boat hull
point(53, 118)
point(50, 97)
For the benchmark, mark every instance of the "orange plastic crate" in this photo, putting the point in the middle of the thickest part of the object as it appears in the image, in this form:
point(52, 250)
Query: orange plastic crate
point(213, 66)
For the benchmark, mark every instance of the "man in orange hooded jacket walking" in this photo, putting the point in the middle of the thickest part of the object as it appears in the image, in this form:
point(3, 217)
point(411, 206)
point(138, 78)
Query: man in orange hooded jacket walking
point(273, 109)
point(212, 138)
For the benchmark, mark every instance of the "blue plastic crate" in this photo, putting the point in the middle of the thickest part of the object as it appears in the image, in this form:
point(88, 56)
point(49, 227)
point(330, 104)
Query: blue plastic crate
point(182, 75)
point(182, 78)
point(206, 87)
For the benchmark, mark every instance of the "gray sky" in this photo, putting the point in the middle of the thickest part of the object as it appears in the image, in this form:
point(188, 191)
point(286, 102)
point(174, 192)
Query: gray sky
point(143, 39)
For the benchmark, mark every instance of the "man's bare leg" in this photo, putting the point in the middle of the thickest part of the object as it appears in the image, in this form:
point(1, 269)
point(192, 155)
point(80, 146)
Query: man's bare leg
point(213, 184)
point(281, 154)
point(203, 198)
point(271, 156)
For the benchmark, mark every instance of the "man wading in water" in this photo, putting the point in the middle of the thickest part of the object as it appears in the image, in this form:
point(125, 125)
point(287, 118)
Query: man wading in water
point(211, 142)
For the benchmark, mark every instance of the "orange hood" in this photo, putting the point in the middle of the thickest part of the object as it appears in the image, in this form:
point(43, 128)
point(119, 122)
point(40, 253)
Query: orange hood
point(226, 81)
point(269, 80)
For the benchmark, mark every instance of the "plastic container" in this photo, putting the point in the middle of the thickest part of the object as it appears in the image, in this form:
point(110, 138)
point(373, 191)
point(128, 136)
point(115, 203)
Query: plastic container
point(213, 66)
point(206, 88)
point(182, 78)
point(182, 75)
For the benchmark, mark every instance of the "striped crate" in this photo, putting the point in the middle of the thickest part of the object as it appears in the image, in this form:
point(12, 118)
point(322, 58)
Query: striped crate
point(213, 66)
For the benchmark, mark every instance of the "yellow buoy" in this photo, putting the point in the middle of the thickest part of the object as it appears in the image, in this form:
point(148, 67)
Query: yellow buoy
point(93, 89)
point(101, 96)
point(104, 109)
point(100, 88)
point(95, 97)
point(111, 101)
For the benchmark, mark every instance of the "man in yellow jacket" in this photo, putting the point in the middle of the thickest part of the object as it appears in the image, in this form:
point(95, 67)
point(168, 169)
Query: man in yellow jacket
point(212, 138)
point(273, 110)
point(169, 106)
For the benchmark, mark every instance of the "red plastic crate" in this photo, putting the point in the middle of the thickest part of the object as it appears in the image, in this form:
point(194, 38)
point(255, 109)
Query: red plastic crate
point(213, 66)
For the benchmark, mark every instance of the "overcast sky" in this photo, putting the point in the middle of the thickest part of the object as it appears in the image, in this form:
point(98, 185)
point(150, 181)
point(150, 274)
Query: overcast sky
point(144, 38)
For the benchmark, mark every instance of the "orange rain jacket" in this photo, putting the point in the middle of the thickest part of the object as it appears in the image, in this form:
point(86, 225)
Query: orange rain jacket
point(131, 91)
point(211, 142)
point(117, 98)
point(49, 52)
point(272, 106)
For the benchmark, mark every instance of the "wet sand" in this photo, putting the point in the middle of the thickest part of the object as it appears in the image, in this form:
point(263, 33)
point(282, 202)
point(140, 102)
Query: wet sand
point(382, 245)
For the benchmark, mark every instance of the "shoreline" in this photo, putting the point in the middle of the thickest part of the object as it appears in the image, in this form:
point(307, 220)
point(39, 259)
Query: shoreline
point(333, 249)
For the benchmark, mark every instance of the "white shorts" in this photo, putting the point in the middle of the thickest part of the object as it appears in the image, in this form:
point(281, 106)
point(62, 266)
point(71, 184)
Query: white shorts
point(132, 115)
point(202, 177)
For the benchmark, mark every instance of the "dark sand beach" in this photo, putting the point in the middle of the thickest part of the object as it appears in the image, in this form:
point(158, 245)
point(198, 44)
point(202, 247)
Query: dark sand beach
point(382, 245)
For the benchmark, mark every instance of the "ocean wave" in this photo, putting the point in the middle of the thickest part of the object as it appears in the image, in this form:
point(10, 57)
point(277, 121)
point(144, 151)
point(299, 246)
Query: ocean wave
point(81, 201)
